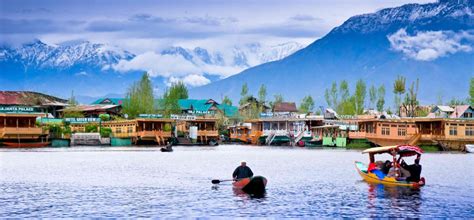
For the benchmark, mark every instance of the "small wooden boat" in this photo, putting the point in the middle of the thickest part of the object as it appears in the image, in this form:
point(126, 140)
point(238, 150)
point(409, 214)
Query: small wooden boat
point(470, 148)
point(26, 144)
point(166, 149)
point(252, 185)
point(377, 176)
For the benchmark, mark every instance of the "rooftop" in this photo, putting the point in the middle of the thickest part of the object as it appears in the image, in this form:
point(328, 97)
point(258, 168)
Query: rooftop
point(28, 98)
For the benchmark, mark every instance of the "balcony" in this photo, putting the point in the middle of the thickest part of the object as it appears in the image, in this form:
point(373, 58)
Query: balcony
point(9, 132)
point(211, 133)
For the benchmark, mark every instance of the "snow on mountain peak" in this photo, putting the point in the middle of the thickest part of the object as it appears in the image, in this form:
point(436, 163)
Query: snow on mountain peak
point(41, 55)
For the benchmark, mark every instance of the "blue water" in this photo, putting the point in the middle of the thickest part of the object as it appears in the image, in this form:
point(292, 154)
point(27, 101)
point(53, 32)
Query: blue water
point(143, 182)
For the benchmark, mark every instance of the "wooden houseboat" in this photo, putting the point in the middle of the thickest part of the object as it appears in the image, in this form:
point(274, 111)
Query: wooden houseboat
point(448, 133)
point(283, 130)
point(123, 133)
point(157, 130)
point(240, 133)
point(20, 130)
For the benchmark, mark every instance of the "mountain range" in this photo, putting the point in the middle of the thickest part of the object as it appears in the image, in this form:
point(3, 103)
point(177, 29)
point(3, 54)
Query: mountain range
point(90, 68)
point(432, 42)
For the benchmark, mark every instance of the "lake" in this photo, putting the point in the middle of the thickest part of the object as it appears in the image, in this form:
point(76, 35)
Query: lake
point(144, 182)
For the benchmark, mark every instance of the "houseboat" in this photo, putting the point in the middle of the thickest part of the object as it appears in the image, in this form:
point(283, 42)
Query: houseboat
point(123, 132)
point(240, 133)
point(448, 133)
point(192, 130)
point(153, 130)
point(19, 130)
point(283, 130)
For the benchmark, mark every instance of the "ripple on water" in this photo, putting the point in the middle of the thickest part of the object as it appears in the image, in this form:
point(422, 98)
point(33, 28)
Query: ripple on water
point(143, 182)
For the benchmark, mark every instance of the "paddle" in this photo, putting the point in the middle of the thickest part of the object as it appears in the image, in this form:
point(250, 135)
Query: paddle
point(219, 181)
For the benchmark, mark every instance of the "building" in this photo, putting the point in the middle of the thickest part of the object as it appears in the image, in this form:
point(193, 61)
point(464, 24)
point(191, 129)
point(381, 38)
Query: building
point(25, 101)
point(20, 127)
point(108, 101)
point(441, 111)
point(283, 108)
point(463, 111)
point(93, 111)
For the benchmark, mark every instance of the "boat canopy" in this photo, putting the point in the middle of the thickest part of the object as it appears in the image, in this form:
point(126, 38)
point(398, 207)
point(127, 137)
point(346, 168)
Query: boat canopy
point(402, 150)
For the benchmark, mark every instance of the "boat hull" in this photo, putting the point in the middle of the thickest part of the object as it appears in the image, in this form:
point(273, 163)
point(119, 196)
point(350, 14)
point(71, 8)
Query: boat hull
point(25, 145)
point(390, 181)
point(252, 185)
point(470, 148)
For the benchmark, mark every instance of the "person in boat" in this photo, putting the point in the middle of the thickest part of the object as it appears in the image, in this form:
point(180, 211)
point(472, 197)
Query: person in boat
point(242, 171)
point(386, 167)
point(414, 170)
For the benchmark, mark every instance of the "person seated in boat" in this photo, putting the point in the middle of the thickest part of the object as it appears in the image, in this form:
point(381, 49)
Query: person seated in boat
point(242, 171)
point(414, 170)
point(375, 166)
point(386, 167)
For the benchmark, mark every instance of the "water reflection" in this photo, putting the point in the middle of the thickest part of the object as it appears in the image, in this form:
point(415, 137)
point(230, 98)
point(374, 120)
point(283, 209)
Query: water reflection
point(242, 194)
point(393, 197)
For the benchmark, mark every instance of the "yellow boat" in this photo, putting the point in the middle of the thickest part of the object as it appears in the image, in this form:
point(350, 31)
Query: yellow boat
point(380, 178)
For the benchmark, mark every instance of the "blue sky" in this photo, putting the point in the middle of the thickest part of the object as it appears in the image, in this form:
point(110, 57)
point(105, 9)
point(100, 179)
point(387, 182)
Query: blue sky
point(141, 26)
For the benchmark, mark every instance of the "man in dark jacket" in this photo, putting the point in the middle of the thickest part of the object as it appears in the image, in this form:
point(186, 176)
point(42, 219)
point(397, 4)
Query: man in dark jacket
point(242, 171)
point(415, 170)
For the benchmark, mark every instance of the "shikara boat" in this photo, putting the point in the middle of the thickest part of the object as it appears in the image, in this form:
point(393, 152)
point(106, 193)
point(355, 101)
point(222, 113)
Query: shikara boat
point(25, 144)
point(378, 177)
point(252, 185)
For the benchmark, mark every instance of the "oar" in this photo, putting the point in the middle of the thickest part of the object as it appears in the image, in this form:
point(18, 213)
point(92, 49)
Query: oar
point(219, 181)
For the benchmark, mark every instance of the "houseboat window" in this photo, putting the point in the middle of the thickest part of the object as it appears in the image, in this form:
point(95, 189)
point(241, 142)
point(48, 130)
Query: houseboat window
point(453, 131)
point(385, 131)
point(118, 130)
point(402, 132)
point(130, 130)
point(469, 131)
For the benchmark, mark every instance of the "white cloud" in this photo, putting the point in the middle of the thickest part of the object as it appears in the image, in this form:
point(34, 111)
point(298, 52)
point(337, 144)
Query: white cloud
point(82, 73)
point(431, 45)
point(158, 65)
point(190, 80)
point(173, 66)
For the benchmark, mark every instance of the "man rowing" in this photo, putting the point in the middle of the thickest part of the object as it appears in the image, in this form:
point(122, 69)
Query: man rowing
point(242, 171)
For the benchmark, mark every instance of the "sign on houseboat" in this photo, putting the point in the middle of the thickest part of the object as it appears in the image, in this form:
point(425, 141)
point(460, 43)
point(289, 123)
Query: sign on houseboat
point(150, 116)
point(17, 109)
point(82, 120)
point(183, 117)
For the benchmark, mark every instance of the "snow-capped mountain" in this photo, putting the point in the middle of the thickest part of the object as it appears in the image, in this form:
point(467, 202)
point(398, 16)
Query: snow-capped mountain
point(432, 42)
point(91, 68)
point(244, 56)
point(43, 56)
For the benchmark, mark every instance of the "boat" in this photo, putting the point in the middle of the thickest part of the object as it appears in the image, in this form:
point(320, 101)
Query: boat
point(252, 185)
point(381, 178)
point(26, 144)
point(167, 148)
point(470, 148)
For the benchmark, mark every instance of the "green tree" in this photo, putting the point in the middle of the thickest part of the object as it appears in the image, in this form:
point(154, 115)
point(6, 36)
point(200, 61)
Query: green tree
point(307, 104)
point(471, 92)
point(359, 96)
point(398, 91)
point(344, 106)
point(411, 100)
point(262, 94)
point(226, 100)
point(278, 98)
point(380, 98)
point(139, 98)
point(172, 96)
point(243, 94)
point(455, 101)
point(372, 96)
point(72, 100)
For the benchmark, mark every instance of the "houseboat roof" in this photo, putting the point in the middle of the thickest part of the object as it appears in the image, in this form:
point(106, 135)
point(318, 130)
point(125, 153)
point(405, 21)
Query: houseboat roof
point(28, 98)
point(155, 120)
point(87, 108)
point(285, 107)
point(23, 114)
point(108, 101)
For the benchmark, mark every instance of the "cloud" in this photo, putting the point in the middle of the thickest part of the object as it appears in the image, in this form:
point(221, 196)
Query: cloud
point(192, 80)
point(300, 17)
point(82, 73)
point(431, 45)
point(171, 65)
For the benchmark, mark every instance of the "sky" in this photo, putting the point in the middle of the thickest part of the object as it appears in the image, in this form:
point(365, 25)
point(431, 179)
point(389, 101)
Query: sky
point(143, 26)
